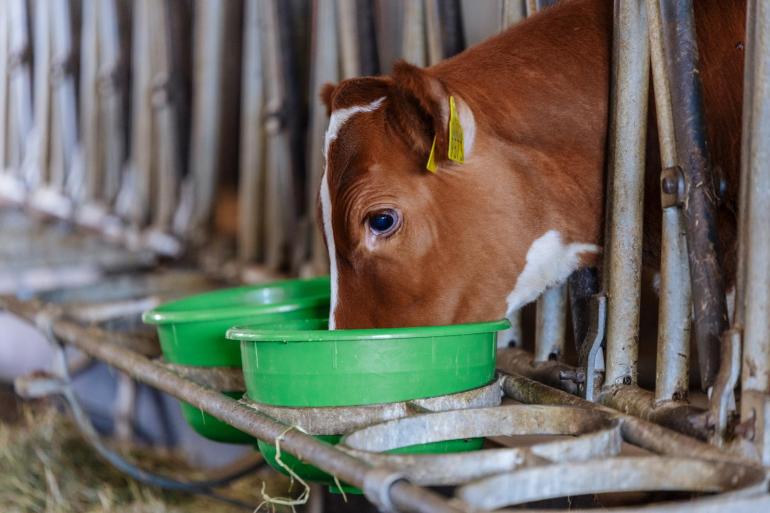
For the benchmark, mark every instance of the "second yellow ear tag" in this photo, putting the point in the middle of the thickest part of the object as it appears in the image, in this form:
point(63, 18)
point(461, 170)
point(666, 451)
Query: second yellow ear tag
point(456, 151)
point(431, 165)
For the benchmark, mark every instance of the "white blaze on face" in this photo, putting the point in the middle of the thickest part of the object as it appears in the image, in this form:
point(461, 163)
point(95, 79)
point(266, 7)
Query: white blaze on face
point(337, 120)
point(549, 262)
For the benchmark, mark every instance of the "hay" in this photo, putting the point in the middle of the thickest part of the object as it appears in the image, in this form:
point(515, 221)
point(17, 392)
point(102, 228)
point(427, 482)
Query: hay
point(46, 467)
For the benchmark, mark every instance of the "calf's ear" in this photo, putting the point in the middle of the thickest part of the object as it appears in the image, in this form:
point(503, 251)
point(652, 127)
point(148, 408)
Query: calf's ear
point(421, 109)
point(327, 91)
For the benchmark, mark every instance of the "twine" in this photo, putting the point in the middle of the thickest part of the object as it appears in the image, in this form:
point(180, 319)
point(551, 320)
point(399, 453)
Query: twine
point(304, 497)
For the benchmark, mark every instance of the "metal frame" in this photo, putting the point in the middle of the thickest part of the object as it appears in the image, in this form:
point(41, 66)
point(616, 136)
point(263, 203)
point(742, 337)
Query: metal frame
point(390, 481)
point(649, 34)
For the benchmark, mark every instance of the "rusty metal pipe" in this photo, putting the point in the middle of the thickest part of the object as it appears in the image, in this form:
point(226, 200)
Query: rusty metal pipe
point(641, 403)
point(642, 433)
point(623, 240)
point(708, 294)
point(513, 360)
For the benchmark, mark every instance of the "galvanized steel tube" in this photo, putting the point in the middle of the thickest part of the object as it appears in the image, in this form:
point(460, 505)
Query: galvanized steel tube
point(252, 172)
point(551, 324)
point(208, 47)
point(671, 380)
point(623, 242)
point(755, 240)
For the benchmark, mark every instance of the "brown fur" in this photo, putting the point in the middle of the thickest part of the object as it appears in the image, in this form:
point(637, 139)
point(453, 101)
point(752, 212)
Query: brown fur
point(539, 93)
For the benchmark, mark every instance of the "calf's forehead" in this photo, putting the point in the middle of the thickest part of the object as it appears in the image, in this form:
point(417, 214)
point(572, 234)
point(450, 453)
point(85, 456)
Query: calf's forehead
point(357, 142)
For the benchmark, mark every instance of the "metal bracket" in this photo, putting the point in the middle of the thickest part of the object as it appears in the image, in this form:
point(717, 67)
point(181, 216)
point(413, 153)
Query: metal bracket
point(591, 357)
point(722, 399)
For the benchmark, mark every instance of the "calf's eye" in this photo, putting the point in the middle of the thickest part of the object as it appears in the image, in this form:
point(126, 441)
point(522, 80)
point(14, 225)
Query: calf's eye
point(383, 223)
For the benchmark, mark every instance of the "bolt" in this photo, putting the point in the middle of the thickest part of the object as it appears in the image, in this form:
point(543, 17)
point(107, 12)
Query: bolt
point(669, 184)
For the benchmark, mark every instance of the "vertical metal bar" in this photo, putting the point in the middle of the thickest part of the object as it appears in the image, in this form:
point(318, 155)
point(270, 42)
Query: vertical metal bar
point(414, 38)
point(167, 168)
point(71, 177)
point(133, 200)
point(623, 248)
point(755, 240)
point(324, 68)
point(208, 44)
point(708, 295)
point(111, 89)
point(433, 32)
point(530, 6)
point(279, 199)
point(582, 286)
point(551, 324)
point(674, 307)
point(89, 101)
point(251, 181)
point(348, 32)
point(368, 56)
point(38, 149)
point(452, 27)
point(511, 12)
point(5, 29)
point(20, 112)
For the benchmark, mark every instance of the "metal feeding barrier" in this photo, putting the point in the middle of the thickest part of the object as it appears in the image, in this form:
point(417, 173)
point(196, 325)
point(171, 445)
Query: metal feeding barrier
point(114, 117)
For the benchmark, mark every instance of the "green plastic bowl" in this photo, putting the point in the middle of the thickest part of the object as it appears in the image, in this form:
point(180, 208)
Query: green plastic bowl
point(192, 332)
point(301, 363)
point(213, 428)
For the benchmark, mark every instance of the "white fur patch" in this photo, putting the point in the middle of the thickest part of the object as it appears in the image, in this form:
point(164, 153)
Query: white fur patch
point(468, 123)
point(549, 263)
point(337, 120)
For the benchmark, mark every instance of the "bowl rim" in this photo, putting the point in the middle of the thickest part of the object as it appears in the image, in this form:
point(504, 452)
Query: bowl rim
point(281, 332)
point(161, 315)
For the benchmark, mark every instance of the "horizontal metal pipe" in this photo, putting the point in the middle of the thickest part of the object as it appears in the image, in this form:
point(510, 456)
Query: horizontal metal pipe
point(559, 375)
point(641, 403)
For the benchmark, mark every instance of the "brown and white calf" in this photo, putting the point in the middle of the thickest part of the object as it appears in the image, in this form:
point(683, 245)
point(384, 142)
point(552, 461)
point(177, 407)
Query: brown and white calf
point(478, 239)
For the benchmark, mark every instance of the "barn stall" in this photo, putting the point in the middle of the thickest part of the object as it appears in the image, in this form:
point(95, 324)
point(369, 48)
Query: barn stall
point(154, 151)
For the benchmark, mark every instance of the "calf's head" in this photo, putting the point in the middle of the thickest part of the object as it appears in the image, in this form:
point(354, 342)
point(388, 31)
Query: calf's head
point(410, 247)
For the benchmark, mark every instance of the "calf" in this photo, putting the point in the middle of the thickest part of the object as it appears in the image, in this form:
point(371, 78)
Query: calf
point(477, 239)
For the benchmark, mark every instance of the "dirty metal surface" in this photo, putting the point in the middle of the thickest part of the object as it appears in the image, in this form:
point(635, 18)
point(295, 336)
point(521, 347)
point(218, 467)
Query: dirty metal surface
point(620, 474)
point(340, 420)
point(599, 437)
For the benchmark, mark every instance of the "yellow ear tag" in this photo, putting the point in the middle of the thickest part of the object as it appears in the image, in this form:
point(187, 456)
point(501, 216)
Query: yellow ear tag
point(431, 165)
point(456, 151)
